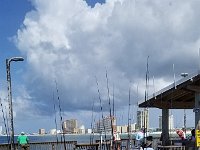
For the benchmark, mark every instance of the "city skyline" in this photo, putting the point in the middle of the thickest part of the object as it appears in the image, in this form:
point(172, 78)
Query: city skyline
point(72, 126)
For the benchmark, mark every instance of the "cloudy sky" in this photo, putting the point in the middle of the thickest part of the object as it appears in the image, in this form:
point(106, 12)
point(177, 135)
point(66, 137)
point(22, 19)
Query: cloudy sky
point(70, 46)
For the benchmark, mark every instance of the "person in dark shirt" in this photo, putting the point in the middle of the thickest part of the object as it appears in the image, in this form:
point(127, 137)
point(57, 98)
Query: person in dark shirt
point(192, 138)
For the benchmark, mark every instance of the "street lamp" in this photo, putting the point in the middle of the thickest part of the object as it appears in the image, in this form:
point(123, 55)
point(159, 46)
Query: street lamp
point(184, 74)
point(8, 61)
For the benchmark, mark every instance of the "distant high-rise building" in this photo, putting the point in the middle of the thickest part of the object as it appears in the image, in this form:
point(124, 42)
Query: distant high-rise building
point(1, 129)
point(53, 131)
point(70, 126)
point(171, 122)
point(104, 125)
point(81, 129)
point(133, 127)
point(88, 131)
point(160, 122)
point(143, 119)
point(122, 129)
point(41, 131)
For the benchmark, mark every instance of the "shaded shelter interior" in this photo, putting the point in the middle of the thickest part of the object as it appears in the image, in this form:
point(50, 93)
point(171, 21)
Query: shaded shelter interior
point(183, 94)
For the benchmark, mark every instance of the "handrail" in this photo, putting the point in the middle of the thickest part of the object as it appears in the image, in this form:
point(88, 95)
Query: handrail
point(44, 145)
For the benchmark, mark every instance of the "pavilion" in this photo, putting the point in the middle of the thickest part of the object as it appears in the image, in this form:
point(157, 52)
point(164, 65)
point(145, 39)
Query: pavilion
point(183, 94)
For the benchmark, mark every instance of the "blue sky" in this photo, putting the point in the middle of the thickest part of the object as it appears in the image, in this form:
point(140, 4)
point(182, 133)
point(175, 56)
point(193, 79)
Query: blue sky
point(93, 2)
point(71, 42)
point(12, 14)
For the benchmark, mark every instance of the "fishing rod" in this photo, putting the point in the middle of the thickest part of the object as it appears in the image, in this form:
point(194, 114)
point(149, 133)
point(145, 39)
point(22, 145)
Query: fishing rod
point(146, 98)
point(61, 120)
point(92, 137)
point(113, 101)
point(100, 101)
point(129, 104)
point(4, 120)
point(147, 80)
point(154, 89)
point(55, 120)
point(174, 77)
point(8, 129)
point(111, 117)
point(135, 105)
point(114, 144)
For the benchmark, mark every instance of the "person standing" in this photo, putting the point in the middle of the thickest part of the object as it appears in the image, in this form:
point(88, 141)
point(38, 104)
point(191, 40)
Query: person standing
point(181, 134)
point(192, 141)
point(192, 138)
point(148, 144)
point(23, 141)
point(117, 140)
point(139, 137)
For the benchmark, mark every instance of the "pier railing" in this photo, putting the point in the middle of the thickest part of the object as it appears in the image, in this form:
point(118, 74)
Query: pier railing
point(106, 145)
point(70, 145)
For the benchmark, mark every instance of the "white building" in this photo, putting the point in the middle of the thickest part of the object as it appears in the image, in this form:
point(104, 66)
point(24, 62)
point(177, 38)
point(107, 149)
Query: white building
point(70, 126)
point(171, 122)
point(81, 130)
point(143, 119)
point(1, 129)
point(122, 129)
point(133, 127)
point(104, 125)
point(42, 131)
point(88, 131)
point(53, 131)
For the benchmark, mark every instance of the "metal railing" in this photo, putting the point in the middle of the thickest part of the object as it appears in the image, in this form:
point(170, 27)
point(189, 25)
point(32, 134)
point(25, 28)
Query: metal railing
point(123, 145)
point(70, 145)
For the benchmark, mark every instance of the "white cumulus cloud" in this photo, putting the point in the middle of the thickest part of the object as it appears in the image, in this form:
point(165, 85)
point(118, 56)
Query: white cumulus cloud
point(70, 43)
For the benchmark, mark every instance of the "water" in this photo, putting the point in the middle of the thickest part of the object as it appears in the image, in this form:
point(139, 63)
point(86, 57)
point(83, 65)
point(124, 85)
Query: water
point(80, 138)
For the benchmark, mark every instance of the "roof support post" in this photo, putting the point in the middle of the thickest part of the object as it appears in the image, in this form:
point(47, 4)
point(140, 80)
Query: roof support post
point(197, 113)
point(165, 127)
point(197, 105)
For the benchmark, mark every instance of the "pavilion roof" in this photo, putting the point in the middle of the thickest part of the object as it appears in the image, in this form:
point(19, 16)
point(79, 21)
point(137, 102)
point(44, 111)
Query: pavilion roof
point(179, 95)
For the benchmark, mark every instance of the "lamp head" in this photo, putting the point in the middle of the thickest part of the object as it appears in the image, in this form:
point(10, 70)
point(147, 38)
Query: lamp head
point(184, 74)
point(17, 59)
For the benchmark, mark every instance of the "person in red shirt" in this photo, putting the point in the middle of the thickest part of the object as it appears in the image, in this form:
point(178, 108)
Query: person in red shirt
point(181, 134)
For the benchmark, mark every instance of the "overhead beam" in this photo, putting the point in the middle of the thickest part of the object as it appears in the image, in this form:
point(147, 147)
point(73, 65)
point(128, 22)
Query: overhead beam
point(194, 88)
point(174, 105)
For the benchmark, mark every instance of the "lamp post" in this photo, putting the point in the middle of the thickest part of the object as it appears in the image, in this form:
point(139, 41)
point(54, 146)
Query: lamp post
point(8, 62)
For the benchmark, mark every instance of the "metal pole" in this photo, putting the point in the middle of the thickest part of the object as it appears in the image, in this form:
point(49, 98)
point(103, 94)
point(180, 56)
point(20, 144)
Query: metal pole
point(184, 121)
point(8, 61)
point(12, 144)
